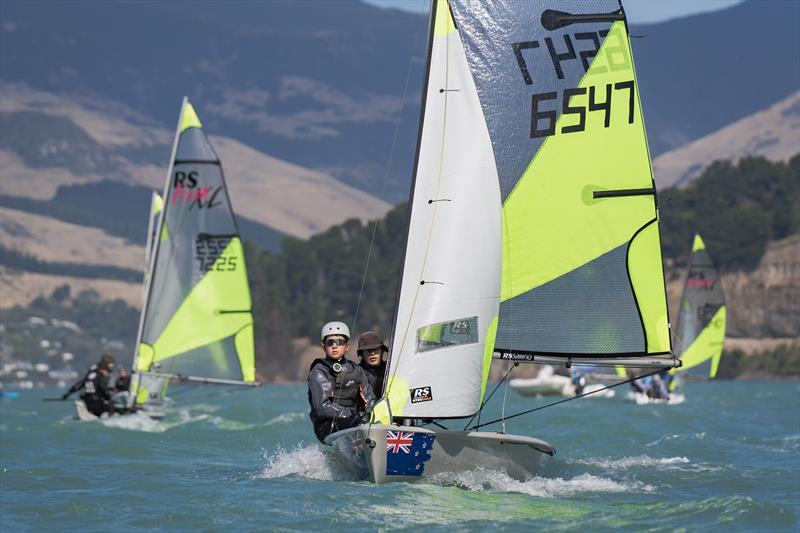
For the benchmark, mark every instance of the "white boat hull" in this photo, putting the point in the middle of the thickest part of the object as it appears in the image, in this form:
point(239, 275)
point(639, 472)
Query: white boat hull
point(385, 453)
point(556, 386)
point(644, 399)
point(82, 412)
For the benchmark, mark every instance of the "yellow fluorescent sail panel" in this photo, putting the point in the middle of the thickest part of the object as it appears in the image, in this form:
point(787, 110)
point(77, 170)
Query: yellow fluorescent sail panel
point(199, 320)
point(552, 224)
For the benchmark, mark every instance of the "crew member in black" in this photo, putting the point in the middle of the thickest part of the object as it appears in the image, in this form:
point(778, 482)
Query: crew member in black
point(95, 388)
point(78, 385)
point(371, 349)
point(339, 392)
point(123, 383)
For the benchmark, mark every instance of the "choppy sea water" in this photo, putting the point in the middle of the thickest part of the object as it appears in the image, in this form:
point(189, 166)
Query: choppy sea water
point(727, 459)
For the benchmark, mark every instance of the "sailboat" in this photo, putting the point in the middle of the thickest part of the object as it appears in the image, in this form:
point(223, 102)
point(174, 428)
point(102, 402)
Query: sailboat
point(532, 235)
point(702, 317)
point(701, 327)
point(156, 205)
point(550, 383)
point(196, 324)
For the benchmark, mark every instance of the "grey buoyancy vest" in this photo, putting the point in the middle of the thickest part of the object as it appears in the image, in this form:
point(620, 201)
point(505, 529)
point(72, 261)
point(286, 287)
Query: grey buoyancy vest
point(346, 381)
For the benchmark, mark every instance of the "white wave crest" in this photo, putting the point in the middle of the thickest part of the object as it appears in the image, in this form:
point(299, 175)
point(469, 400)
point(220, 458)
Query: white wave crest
point(286, 418)
point(311, 461)
point(139, 421)
point(629, 462)
point(677, 437)
point(135, 422)
point(499, 481)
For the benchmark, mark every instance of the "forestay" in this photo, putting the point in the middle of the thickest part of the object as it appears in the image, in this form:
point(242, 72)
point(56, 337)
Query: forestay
point(533, 226)
point(701, 321)
point(197, 319)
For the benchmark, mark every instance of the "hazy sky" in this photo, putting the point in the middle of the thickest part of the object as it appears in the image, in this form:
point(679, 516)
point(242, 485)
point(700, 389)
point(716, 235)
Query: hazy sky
point(638, 11)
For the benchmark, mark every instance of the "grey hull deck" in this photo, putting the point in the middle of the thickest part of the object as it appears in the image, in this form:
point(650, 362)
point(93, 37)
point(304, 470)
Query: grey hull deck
point(82, 413)
point(385, 453)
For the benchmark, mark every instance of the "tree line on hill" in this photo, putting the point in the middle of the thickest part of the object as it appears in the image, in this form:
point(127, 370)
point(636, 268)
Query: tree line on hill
point(738, 208)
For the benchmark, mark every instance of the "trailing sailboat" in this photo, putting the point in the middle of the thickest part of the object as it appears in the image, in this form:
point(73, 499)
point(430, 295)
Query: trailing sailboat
point(701, 321)
point(533, 229)
point(550, 383)
point(196, 323)
point(701, 328)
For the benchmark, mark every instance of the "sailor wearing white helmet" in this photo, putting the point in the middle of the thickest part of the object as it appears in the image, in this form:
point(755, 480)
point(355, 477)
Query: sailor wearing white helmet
point(336, 384)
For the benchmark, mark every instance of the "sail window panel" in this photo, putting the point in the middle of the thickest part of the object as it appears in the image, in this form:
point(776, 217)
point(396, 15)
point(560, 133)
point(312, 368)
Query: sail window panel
point(590, 310)
point(447, 334)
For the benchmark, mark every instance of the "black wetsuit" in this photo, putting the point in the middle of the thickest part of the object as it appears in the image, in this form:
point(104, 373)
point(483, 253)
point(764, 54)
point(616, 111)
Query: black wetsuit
point(96, 394)
point(78, 385)
point(375, 375)
point(334, 396)
point(123, 384)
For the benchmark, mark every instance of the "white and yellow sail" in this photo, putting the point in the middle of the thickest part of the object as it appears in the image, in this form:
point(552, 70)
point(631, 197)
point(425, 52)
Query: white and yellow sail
point(533, 221)
point(702, 315)
point(197, 319)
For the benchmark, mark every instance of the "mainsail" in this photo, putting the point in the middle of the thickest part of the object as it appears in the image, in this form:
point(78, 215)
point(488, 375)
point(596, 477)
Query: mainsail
point(701, 321)
point(197, 321)
point(533, 225)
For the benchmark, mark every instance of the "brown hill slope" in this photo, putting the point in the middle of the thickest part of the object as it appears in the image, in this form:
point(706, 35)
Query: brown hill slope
point(287, 197)
point(773, 133)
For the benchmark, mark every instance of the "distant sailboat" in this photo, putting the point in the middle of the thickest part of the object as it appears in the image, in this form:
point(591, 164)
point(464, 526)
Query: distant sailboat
point(549, 383)
point(533, 230)
point(156, 205)
point(702, 318)
point(196, 323)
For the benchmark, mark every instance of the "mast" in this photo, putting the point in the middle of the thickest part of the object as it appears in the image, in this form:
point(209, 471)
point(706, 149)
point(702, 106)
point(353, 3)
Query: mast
point(154, 256)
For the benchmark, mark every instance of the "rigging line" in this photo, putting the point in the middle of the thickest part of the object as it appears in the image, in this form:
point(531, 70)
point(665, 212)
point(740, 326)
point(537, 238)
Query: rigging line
point(503, 411)
point(485, 401)
point(386, 175)
point(566, 399)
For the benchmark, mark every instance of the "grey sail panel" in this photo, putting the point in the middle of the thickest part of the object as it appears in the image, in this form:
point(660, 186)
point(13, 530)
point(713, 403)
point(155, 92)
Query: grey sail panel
point(194, 146)
point(590, 310)
point(196, 208)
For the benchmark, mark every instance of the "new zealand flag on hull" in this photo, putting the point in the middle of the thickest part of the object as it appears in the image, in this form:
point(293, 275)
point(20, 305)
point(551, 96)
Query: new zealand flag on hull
point(406, 453)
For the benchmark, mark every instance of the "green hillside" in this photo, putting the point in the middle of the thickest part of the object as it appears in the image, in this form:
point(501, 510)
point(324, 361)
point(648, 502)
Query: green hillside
point(737, 208)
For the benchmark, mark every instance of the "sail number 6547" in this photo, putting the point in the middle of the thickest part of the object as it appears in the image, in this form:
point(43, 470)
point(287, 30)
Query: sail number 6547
point(540, 113)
